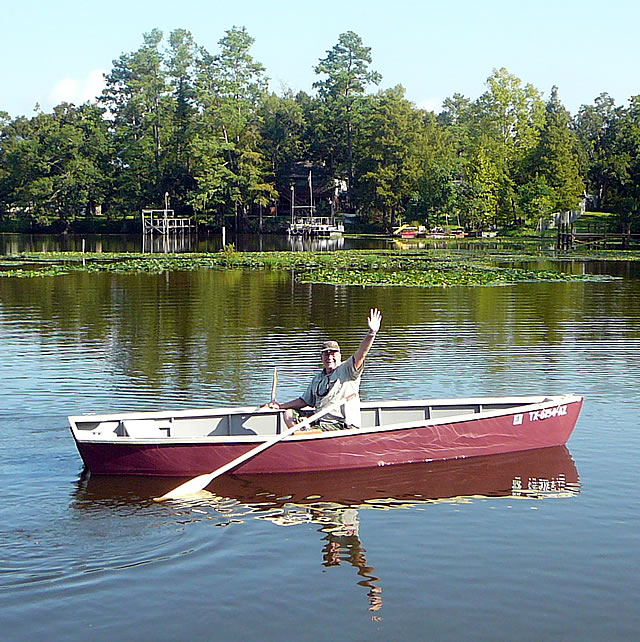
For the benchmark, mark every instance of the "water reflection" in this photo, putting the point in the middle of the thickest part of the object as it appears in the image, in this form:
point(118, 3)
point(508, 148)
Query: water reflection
point(169, 243)
point(202, 241)
point(334, 501)
point(314, 244)
point(534, 474)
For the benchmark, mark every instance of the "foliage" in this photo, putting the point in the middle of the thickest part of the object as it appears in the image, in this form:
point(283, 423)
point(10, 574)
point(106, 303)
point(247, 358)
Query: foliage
point(201, 130)
point(54, 166)
point(388, 161)
point(347, 74)
point(349, 267)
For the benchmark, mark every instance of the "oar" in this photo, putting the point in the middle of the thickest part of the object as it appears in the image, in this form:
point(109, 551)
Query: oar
point(197, 484)
point(274, 385)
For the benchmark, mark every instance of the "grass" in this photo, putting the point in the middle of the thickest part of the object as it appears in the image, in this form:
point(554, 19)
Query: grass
point(596, 220)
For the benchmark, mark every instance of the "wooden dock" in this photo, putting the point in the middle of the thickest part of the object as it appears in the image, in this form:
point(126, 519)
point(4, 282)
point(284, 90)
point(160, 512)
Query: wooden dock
point(598, 237)
point(165, 222)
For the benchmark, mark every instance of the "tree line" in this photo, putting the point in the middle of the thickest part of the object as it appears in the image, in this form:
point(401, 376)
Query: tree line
point(202, 128)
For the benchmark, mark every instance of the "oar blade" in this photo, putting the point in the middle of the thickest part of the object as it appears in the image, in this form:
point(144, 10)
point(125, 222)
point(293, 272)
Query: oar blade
point(190, 487)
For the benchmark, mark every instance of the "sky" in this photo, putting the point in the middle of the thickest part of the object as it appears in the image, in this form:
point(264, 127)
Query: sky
point(58, 51)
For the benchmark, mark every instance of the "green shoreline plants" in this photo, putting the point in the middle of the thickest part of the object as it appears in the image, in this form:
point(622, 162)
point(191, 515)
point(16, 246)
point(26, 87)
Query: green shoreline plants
point(422, 268)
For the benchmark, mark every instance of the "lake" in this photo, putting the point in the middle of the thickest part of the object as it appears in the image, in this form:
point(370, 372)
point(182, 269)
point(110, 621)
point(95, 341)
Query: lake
point(530, 546)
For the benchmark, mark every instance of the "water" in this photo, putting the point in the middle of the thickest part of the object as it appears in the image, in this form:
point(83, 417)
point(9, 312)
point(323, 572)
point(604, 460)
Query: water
point(201, 242)
point(438, 551)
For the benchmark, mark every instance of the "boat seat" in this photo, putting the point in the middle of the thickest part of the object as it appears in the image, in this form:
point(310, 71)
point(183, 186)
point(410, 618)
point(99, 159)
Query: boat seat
point(106, 429)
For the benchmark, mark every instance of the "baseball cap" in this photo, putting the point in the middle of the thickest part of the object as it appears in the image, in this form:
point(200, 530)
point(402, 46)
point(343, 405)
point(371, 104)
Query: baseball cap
point(330, 346)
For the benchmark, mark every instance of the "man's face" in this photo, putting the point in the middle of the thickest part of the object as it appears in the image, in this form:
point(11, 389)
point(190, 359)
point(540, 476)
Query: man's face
point(331, 360)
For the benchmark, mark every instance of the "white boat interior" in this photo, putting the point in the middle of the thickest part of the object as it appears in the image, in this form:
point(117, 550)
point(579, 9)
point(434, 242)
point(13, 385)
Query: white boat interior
point(249, 422)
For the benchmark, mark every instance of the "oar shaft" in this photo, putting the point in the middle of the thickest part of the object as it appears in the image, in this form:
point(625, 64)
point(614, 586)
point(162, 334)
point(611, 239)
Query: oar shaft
point(274, 385)
point(267, 444)
point(202, 481)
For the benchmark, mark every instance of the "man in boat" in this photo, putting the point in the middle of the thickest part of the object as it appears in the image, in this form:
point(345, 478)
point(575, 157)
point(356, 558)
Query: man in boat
point(337, 380)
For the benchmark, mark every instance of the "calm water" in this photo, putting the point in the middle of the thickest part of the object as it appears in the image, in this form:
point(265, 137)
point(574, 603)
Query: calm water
point(434, 551)
point(202, 242)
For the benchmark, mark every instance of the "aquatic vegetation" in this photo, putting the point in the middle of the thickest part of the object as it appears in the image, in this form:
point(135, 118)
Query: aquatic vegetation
point(412, 268)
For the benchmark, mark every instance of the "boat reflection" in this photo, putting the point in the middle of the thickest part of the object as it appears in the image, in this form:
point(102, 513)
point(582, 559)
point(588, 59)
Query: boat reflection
point(333, 500)
point(315, 243)
point(535, 474)
point(545, 472)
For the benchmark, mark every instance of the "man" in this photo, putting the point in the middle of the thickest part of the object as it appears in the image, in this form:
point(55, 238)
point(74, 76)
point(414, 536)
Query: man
point(337, 380)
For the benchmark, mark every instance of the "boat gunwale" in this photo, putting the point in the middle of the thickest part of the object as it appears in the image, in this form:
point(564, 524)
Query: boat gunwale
point(547, 401)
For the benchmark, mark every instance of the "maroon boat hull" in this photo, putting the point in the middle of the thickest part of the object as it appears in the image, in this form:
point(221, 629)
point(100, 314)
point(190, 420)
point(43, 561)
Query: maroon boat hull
point(510, 432)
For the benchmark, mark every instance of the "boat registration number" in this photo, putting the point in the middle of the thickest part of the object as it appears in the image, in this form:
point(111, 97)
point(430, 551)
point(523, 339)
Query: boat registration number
point(545, 413)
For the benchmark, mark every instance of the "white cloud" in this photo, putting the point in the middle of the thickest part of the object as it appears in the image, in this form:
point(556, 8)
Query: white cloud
point(72, 90)
point(432, 103)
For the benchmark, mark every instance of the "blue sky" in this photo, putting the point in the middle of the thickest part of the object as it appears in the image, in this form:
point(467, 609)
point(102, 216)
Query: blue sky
point(55, 51)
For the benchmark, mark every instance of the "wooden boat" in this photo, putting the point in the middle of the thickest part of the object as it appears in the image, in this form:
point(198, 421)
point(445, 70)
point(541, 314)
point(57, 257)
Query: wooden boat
point(192, 442)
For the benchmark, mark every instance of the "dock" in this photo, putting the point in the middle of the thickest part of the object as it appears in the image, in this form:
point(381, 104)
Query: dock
point(598, 237)
point(165, 222)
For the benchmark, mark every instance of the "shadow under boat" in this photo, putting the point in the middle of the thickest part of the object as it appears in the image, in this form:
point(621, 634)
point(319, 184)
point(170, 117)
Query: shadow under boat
point(545, 472)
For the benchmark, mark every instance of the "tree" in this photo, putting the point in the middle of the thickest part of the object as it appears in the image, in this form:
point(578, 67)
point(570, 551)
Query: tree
point(457, 118)
point(624, 193)
point(346, 67)
point(55, 166)
point(481, 196)
point(388, 154)
point(136, 98)
point(181, 59)
point(555, 159)
point(229, 88)
point(439, 181)
point(511, 117)
point(537, 198)
point(595, 126)
point(282, 129)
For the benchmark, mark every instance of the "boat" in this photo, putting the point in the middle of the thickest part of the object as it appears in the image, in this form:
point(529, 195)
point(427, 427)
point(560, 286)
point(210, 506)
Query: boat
point(409, 231)
point(485, 234)
point(185, 443)
point(321, 226)
point(439, 232)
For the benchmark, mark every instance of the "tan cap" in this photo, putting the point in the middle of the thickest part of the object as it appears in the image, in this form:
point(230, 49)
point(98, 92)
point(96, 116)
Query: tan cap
point(330, 346)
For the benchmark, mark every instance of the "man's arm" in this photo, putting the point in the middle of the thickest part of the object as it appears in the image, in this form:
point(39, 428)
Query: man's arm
point(295, 404)
point(374, 321)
